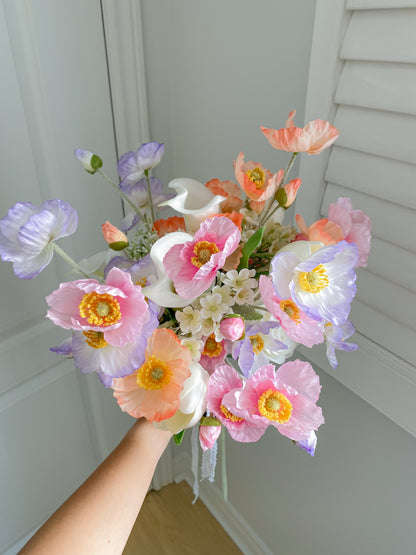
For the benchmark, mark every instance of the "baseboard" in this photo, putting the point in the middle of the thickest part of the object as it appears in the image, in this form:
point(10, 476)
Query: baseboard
point(224, 512)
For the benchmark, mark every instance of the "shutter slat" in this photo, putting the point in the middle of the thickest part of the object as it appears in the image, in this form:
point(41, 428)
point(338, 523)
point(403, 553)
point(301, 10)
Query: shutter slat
point(381, 35)
point(392, 263)
point(383, 86)
point(390, 222)
point(381, 133)
point(389, 299)
point(379, 4)
point(374, 175)
point(381, 329)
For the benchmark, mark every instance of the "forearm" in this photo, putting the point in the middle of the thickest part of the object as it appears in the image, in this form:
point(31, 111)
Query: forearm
point(98, 517)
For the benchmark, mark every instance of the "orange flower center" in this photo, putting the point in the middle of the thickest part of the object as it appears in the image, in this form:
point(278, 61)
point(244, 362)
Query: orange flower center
point(203, 251)
point(100, 310)
point(95, 339)
point(291, 310)
point(229, 415)
point(314, 281)
point(273, 405)
point(257, 343)
point(142, 282)
point(257, 176)
point(153, 374)
point(212, 348)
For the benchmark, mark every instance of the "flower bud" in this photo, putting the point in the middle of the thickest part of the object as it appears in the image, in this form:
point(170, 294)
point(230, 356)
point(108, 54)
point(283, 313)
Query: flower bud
point(232, 328)
point(114, 237)
point(208, 435)
point(91, 162)
point(291, 190)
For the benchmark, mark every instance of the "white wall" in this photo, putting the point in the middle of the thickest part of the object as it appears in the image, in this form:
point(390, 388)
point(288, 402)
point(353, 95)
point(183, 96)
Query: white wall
point(215, 72)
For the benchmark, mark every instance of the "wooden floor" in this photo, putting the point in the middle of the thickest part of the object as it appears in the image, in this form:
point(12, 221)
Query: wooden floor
point(169, 524)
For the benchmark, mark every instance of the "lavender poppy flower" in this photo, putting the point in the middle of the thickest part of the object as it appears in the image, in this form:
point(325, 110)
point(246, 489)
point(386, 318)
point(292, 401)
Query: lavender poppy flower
point(257, 347)
point(132, 165)
point(90, 162)
point(335, 337)
point(308, 444)
point(28, 231)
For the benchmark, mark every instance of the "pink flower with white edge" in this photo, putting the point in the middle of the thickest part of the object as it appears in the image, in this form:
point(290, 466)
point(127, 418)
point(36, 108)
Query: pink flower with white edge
point(284, 398)
point(208, 435)
point(355, 225)
point(297, 325)
point(223, 382)
point(116, 308)
point(193, 266)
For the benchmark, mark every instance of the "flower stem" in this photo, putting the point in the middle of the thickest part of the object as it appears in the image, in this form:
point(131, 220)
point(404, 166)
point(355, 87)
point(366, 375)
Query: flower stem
point(270, 210)
point(69, 260)
point(120, 192)
point(149, 197)
point(224, 468)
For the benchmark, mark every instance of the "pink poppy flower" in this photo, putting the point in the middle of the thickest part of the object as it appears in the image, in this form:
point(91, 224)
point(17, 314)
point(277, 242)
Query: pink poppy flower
point(323, 230)
point(154, 389)
point(233, 201)
point(257, 182)
point(117, 308)
point(213, 354)
point(315, 137)
point(298, 326)
point(355, 225)
point(285, 399)
point(224, 382)
point(193, 265)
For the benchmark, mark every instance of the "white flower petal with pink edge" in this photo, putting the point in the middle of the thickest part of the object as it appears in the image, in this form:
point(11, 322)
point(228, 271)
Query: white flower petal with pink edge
point(194, 201)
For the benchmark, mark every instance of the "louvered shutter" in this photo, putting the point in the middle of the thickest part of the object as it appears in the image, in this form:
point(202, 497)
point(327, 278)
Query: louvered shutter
point(372, 59)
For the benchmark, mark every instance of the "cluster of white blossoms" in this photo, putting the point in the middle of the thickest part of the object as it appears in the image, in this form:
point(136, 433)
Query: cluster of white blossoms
point(203, 317)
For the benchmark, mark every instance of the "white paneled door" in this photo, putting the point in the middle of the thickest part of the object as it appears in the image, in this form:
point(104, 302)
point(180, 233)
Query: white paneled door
point(55, 425)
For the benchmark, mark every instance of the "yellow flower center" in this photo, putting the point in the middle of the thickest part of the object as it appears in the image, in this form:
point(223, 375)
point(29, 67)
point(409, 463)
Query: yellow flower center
point(291, 310)
point(257, 343)
point(203, 251)
point(142, 282)
point(314, 281)
point(257, 176)
point(273, 405)
point(153, 374)
point(95, 339)
point(100, 309)
point(212, 348)
point(229, 415)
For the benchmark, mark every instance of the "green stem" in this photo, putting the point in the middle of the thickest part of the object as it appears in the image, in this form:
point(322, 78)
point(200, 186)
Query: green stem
point(149, 197)
point(120, 192)
point(224, 467)
point(268, 212)
point(69, 260)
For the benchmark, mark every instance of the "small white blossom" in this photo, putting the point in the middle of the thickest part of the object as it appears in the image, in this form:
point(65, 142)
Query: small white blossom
point(195, 347)
point(208, 326)
point(244, 296)
point(189, 320)
point(244, 279)
point(213, 307)
point(225, 292)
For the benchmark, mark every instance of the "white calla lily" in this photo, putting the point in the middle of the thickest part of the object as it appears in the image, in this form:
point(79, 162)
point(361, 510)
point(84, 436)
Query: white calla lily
point(194, 201)
point(193, 402)
point(162, 291)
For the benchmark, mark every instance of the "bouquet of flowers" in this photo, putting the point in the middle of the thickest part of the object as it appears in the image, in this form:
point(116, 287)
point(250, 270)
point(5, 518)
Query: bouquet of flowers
point(190, 319)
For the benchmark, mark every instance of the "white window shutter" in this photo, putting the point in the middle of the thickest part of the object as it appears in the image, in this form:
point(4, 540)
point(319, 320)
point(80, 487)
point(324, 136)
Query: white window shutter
point(363, 80)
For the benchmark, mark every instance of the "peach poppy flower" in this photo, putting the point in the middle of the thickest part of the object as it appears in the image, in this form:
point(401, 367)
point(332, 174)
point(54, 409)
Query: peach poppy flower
point(233, 201)
point(315, 137)
point(112, 234)
point(325, 231)
point(291, 190)
point(257, 182)
point(169, 225)
point(154, 389)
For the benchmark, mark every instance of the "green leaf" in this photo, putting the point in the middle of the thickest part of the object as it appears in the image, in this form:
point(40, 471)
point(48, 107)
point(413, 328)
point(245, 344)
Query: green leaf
point(177, 438)
point(210, 421)
point(250, 247)
point(248, 312)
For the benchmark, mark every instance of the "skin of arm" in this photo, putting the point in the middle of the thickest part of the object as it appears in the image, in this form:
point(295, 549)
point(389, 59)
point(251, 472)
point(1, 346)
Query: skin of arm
point(99, 515)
